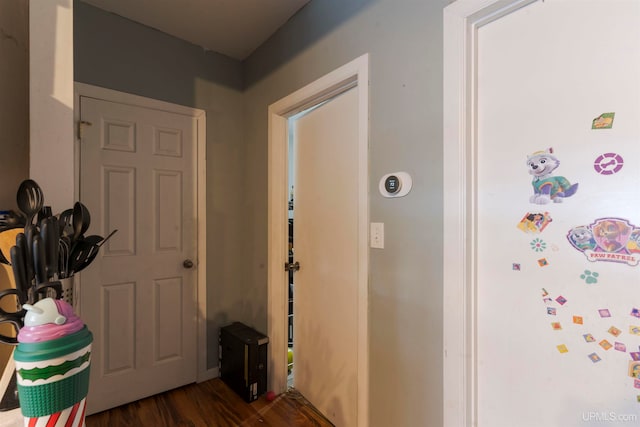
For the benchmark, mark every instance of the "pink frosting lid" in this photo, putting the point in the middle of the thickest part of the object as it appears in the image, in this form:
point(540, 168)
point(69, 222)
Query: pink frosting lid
point(51, 331)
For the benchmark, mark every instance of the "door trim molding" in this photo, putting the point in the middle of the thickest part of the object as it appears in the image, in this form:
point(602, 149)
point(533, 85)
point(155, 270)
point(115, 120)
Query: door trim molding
point(86, 90)
point(355, 73)
point(462, 20)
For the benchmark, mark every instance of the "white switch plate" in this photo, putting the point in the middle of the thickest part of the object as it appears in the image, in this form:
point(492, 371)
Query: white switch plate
point(377, 235)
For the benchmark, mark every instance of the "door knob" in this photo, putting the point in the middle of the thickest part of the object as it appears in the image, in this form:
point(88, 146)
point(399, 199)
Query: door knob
point(187, 263)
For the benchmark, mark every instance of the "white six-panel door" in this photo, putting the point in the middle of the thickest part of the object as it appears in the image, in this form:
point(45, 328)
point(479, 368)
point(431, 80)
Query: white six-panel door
point(138, 299)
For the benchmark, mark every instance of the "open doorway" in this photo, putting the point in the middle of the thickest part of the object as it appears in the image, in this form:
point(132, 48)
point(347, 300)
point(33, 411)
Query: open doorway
point(290, 276)
point(327, 123)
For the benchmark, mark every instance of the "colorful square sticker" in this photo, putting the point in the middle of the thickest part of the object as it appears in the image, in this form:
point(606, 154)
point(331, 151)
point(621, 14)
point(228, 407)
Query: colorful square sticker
point(594, 358)
point(620, 346)
point(634, 330)
point(562, 348)
point(603, 121)
point(561, 300)
point(589, 338)
point(556, 326)
point(634, 369)
point(542, 262)
point(635, 312)
point(604, 312)
point(534, 222)
point(605, 344)
point(635, 355)
point(551, 311)
point(614, 331)
point(577, 320)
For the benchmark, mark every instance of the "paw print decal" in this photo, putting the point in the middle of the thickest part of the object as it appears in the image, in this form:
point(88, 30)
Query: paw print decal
point(590, 277)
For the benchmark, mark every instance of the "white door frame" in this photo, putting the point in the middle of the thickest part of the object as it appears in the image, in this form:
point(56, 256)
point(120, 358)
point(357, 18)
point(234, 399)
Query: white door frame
point(199, 160)
point(461, 22)
point(355, 73)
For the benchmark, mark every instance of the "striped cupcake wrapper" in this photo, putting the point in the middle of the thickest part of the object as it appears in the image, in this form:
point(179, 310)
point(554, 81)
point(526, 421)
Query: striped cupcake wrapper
point(72, 416)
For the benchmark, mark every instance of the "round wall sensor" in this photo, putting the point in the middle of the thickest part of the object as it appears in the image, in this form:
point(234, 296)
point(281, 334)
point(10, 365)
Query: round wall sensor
point(395, 184)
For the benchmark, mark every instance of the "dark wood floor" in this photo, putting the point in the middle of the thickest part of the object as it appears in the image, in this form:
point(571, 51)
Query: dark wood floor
point(211, 404)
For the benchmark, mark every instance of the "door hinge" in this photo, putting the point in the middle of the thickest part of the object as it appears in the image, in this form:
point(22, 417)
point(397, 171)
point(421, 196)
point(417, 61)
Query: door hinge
point(82, 123)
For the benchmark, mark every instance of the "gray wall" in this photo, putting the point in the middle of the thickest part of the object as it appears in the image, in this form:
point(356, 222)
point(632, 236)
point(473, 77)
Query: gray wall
point(115, 53)
point(404, 41)
point(14, 102)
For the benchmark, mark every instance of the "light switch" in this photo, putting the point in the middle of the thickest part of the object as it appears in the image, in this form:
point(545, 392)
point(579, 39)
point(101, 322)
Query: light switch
point(377, 235)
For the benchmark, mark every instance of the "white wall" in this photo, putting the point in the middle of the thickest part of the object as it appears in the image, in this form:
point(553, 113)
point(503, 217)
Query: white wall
point(51, 95)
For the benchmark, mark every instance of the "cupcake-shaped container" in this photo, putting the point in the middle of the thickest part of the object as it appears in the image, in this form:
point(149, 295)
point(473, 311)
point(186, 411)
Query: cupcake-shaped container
point(52, 359)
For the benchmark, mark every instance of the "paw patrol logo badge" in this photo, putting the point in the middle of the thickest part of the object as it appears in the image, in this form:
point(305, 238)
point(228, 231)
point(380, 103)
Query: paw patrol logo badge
point(607, 239)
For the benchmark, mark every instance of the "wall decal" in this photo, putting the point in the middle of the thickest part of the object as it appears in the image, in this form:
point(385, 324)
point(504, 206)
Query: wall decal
point(594, 358)
point(634, 369)
point(604, 312)
point(603, 121)
point(534, 222)
point(538, 245)
point(605, 344)
point(607, 239)
point(608, 163)
point(589, 277)
point(546, 186)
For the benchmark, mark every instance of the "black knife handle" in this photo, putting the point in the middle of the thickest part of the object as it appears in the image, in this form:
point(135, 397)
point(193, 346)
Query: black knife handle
point(39, 261)
point(19, 273)
point(21, 243)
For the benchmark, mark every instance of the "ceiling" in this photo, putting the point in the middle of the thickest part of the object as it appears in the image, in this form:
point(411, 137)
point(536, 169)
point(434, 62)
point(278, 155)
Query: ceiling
point(231, 27)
